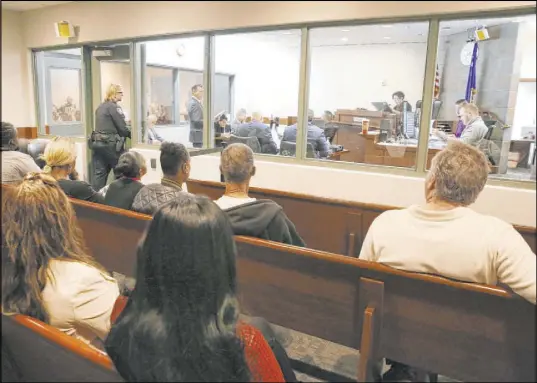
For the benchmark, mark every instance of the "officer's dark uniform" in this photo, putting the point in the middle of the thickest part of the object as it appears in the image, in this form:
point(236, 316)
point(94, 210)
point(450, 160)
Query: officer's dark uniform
point(108, 141)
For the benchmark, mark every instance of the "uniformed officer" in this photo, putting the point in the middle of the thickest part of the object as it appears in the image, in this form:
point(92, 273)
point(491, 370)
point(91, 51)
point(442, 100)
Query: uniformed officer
point(195, 115)
point(108, 139)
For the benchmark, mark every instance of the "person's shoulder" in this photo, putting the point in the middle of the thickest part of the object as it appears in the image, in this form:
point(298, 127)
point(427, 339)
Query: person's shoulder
point(76, 271)
point(489, 222)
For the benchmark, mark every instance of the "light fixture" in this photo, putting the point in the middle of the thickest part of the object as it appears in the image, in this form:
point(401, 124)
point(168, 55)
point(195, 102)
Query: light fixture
point(387, 37)
point(344, 39)
point(345, 30)
point(387, 26)
point(287, 32)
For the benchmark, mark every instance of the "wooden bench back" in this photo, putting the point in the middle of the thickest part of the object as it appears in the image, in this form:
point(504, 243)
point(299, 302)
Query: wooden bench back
point(42, 353)
point(331, 225)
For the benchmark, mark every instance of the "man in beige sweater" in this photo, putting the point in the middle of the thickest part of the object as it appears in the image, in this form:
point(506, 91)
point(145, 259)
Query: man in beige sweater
point(444, 237)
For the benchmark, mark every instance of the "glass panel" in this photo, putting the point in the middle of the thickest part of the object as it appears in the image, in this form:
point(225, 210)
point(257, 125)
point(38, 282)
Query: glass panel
point(265, 88)
point(171, 69)
point(365, 83)
point(499, 79)
point(59, 90)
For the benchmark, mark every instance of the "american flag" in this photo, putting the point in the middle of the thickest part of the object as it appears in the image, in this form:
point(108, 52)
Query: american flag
point(437, 83)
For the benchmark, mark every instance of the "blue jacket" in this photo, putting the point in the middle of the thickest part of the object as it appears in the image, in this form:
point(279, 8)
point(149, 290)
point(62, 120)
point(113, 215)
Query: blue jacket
point(263, 134)
point(316, 137)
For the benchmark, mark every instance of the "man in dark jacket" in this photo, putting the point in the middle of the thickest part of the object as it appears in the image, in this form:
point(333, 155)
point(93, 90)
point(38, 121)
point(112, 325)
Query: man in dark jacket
point(175, 164)
point(316, 137)
point(195, 115)
point(108, 139)
point(255, 218)
point(256, 128)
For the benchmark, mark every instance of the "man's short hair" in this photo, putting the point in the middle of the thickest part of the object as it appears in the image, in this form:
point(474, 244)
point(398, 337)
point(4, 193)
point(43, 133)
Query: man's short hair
point(460, 172)
point(9, 136)
point(237, 163)
point(196, 87)
point(241, 111)
point(461, 101)
point(310, 115)
point(398, 94)
point(472, 108)
point(172, 157)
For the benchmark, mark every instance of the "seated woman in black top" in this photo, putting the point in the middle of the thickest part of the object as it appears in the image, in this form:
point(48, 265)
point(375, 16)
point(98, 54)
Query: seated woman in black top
point(128, 171)
point(60, 160)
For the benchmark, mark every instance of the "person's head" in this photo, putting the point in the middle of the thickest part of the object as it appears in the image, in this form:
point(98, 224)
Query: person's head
point(131, 164)
point(457, 175)
point(237, 164)
point(175, 161)
point(257, 116)
point(328, 115)
point(114, 93)
point(180, 322)
point(222, 120)
point(458, 105)
point(38, 226)
point(197, 91)
point(241, 115)
point(9, 137)
point(310, 115)
point(398, 97)
point(468, 113)
point(59, 157)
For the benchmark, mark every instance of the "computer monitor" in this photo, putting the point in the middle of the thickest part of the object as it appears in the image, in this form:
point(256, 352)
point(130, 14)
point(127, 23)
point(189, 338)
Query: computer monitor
point(380, 106)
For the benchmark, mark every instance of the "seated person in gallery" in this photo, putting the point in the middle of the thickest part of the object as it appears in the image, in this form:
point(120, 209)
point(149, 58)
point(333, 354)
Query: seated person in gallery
point(262, 218)
point(316, 137)
point(256, 128)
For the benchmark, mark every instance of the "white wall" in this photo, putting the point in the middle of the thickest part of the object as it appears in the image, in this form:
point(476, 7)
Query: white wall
point(516, 206)
point(16, 105)
point(347, 77)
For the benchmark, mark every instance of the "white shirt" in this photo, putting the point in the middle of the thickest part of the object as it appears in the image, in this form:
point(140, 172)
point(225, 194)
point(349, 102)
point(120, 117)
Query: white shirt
point(459, 243)
point(80, 299)
point(225, 202)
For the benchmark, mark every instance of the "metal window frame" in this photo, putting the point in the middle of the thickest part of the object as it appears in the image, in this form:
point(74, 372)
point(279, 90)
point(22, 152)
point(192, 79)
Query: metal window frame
point(434, 19)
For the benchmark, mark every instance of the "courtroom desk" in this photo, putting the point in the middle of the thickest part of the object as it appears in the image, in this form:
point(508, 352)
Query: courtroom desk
point(400, 155)
point(351, 138)
point(524, 148)
point(336, 156)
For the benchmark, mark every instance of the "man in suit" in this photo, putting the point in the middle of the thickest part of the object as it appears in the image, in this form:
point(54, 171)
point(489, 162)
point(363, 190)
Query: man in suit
point(256, 128)
point(316, 137)
point(195, 115)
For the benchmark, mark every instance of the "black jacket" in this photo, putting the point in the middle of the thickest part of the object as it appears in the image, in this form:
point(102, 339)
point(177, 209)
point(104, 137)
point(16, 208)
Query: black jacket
point(121, 193)
point(109, 118)
point(80, 190)
point(264, 219)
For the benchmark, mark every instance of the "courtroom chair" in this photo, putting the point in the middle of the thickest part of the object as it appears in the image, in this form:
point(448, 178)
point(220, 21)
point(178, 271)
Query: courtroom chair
point(34, 148)
point(252, 142)
point(288, 149)
point(42, 353)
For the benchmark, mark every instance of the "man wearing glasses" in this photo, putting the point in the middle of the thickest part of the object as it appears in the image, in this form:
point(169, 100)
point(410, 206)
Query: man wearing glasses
point(108, 139)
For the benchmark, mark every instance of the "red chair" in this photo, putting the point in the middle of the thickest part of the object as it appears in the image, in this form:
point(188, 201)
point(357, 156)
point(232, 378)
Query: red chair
point(261, 360)
point(42, 353)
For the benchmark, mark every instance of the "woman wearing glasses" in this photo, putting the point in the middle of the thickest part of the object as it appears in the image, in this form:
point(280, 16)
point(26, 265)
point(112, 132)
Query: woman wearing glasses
point(108, 139)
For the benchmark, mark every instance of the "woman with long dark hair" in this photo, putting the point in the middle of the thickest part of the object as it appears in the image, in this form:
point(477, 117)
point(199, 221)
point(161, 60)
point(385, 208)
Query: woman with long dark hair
point(128, 171)
point(46, 271)
point(180, 323)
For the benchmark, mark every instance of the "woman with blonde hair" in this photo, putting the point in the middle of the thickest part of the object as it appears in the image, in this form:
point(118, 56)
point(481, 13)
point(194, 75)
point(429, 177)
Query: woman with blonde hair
point(46, 270)
point(108, 139)
point(60, 160)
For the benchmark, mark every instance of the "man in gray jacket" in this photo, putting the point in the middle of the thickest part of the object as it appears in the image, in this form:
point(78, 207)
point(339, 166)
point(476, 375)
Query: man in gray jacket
point(475, 129)
point(195, 115)
point(316, 137)
point(175, 164)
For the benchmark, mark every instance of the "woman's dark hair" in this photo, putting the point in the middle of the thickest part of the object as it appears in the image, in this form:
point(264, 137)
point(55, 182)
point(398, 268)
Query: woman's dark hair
point(398, 94)
point(128, 165)
point(179, 322)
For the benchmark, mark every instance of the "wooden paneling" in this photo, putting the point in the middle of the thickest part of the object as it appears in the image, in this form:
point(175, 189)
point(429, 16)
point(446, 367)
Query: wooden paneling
point(323, 222)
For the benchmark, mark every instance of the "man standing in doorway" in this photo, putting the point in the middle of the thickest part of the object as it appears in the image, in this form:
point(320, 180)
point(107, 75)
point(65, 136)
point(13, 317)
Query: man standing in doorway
point(195, 115)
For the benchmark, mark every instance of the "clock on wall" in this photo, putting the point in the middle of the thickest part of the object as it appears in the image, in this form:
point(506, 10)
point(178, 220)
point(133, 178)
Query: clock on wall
point(466, 53)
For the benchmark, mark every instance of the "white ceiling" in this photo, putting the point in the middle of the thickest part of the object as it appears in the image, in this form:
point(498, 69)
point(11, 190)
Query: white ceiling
point(382, 33)
point(22, 6)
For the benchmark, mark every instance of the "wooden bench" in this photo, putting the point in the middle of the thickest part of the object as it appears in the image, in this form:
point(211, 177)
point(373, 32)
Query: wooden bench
point(466, 331)
point(336, 226)
point(41, 353)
